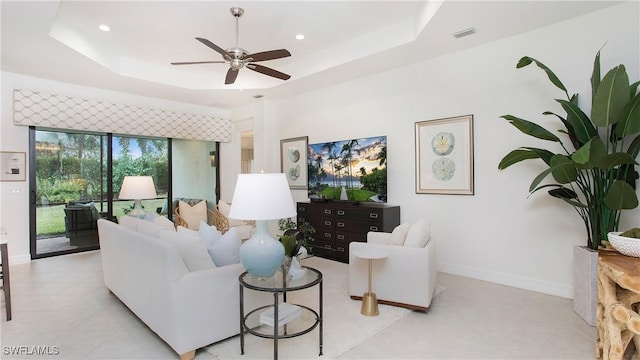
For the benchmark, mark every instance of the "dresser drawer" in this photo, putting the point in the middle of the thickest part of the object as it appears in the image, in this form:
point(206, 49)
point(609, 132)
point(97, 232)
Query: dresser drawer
point(360, 214)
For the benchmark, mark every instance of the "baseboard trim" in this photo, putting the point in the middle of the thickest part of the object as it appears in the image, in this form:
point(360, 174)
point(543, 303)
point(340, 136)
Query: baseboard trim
point(521, 282)
point(20, 259)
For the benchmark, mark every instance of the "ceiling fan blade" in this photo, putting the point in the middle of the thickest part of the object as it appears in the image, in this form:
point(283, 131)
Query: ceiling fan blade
point(231, 76)
point(268, 71)
point(268, 55)
point(213, 46)
point(197, 62)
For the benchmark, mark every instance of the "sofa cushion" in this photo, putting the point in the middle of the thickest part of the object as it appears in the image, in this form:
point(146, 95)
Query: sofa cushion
point(193, 214)
point(399, 234)
point(194, 253)
point(419, 234)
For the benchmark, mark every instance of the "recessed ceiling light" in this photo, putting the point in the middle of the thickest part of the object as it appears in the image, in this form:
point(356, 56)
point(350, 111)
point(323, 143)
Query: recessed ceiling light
point(104, 28)
point(300, 37)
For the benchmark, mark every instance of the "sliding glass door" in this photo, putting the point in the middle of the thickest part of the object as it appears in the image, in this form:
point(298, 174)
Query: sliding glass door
point(76, 178)
point(141, 156)
point(70, 189)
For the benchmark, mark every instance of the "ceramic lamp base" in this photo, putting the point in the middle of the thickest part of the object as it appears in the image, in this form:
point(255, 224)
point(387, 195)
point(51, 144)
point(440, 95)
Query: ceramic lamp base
point(261, 255)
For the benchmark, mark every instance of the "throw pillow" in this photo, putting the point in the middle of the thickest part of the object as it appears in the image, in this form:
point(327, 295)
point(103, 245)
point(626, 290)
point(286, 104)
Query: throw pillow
point(188, 232)
point(130, 222)
point(150, 216)
point(399, 234)
point(193, 214)
point(226, 250)
point(224, 208)
point(208, 234)
point(149, 228)
point(194, 253)
point(164, 222)
point(419, 234)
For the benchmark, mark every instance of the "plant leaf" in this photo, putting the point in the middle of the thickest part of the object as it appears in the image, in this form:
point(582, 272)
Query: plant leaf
point(621, 196)
point(609, 161)
point(563, 193)
point(531, 129)
point(590, 154)
point(522, 154)
point(526, 60)
point(595, 76)
point(634, 148)
point(569, 132)
point(611, 97)
point(563, 169)
point(630, 122)
point(580, 122)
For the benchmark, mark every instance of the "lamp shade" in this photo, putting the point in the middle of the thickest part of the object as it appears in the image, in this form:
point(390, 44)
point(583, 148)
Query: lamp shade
point(262, 197)
point(137, 188)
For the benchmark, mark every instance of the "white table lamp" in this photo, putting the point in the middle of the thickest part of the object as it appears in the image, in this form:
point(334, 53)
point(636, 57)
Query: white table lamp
point(137, 188)
point(262, 197)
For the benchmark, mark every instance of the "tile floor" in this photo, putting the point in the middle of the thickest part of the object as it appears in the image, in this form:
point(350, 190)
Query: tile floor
point(62, 303)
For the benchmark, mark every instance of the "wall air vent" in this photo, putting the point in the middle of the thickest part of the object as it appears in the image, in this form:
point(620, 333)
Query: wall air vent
point(465, 32)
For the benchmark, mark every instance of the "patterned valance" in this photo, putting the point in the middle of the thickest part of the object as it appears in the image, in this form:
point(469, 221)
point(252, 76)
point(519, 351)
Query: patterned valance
point(32, 108)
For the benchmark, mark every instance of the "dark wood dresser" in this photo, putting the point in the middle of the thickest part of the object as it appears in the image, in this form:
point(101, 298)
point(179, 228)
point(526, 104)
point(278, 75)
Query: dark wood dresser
point(338, 223)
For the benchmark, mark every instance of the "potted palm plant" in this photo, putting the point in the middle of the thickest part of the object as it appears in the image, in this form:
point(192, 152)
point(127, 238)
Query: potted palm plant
point(595, 173)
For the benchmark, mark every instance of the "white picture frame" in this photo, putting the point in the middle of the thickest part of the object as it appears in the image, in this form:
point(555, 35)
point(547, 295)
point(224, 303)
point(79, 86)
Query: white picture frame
point(444, 156)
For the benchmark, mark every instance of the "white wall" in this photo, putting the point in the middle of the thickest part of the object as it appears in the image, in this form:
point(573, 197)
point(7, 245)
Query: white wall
point(498, 234)
point(14, 196)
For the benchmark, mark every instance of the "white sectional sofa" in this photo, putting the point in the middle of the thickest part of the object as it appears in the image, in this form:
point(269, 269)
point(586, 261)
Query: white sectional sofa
point(187, 302)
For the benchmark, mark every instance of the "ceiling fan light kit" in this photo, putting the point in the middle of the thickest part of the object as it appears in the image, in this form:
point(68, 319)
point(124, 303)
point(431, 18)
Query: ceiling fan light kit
point(239, 58)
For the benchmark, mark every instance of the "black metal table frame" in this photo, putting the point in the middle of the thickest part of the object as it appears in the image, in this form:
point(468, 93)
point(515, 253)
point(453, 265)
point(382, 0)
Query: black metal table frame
point(276, 292)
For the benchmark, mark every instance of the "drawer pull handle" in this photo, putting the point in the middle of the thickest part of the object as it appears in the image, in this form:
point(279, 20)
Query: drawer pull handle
point(373, 228)
point(373, 215)
point(327, 246)
point(340, 212)
point(327, 211)
point(302, 219)
point(301, 209)
point(340, 237)
point(341, 249)
point(327, 235)
point(340, 224)
point(328, 223)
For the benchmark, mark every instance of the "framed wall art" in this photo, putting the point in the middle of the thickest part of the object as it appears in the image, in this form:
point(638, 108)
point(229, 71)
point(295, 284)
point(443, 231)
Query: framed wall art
point(293, 161)
point(13, 166)
point(444, 156)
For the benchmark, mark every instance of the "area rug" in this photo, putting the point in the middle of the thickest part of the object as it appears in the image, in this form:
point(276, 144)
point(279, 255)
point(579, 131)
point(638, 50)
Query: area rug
point(344, 326)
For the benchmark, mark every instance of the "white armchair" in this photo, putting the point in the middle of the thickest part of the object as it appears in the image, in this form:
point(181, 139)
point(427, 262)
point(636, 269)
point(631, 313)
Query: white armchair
point(407, 276)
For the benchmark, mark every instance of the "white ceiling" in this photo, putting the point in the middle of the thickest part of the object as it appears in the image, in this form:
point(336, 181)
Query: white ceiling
point(59, 40)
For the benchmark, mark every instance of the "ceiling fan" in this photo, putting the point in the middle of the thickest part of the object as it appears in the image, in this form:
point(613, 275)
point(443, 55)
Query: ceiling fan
point(238, 58)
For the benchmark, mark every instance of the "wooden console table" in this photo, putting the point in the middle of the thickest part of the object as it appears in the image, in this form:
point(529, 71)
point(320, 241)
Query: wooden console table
point(618, 322)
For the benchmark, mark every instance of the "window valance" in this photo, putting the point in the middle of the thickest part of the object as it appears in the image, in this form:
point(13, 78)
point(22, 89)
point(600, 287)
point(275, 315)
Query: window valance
point(32, 108)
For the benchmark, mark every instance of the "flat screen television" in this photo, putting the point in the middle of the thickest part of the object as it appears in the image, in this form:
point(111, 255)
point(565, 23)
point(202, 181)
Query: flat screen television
point(354, 169)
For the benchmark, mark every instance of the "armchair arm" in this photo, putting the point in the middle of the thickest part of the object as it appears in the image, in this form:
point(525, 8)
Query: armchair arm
point(378, 237)
point(179, 221)
point(221, 221)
